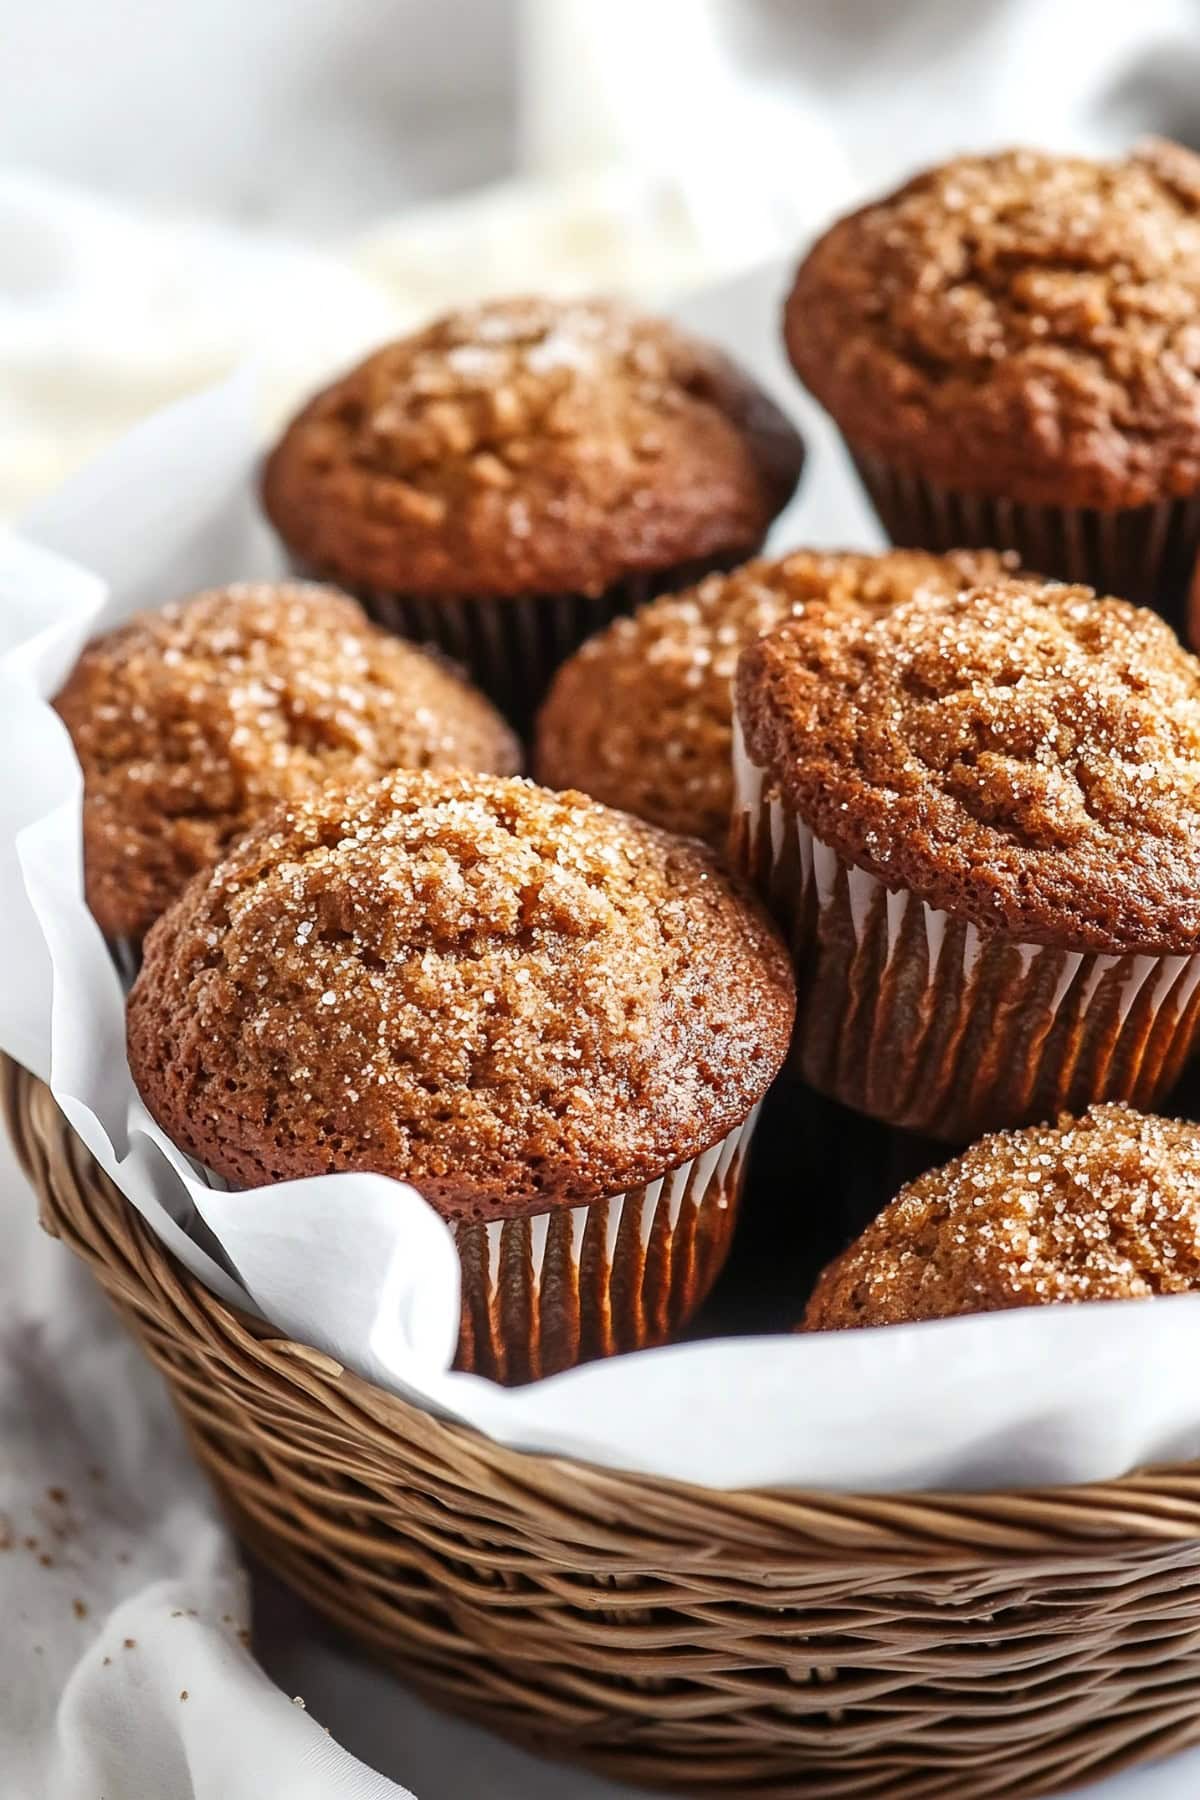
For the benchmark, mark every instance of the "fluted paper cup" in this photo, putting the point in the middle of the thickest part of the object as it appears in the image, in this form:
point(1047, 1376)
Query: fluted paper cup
point(1140, 553)
point(919, 1019)
point(511, 646)
point(1192, 632)
point(126, 953)
point(541, 1294)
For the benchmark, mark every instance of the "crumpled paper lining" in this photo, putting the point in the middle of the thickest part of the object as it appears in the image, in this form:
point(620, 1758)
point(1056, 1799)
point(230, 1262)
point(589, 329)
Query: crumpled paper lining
point(359, 1266)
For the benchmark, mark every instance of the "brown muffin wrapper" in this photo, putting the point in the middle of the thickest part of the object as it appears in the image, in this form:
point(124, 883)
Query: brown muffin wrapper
point(126, 953)
point(1192, 629)
point(542, 1294)
point(1142, 553)
point(916, 1018)
point(511, 647)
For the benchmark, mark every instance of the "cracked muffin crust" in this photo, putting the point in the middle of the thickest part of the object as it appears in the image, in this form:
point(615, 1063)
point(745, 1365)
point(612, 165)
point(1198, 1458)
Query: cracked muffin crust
point(512, 999)
point(641, 717)
point(191, 722)
point(1023, 756)
point(1102, 1207)
point(1018, 324)
point(528, 447)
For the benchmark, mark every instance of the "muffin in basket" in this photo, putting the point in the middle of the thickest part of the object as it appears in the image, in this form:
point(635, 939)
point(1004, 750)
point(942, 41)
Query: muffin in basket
point(553, 1020)
point(507, 480)
point(1010, 346)
point(191, 722)
point(978, 816)
point(641, 716)
point(1103, 1207)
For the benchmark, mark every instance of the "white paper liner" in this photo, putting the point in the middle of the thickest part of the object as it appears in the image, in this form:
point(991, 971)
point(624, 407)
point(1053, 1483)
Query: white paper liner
point(622, 1273)
point(618, 1274)
point(1109, 1026)
point(360, 1267)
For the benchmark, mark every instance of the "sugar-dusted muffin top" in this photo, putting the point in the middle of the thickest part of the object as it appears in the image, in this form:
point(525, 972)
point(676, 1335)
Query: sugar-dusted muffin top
point(1103, 1207)
point(1022, 755)
point(1018, 324)
point(530, 447)
point(190, 722)
point(641, 716)
point(511, 998)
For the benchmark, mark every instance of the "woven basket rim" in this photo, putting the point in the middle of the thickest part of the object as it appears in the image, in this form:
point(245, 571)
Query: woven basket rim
point(1154, 1504)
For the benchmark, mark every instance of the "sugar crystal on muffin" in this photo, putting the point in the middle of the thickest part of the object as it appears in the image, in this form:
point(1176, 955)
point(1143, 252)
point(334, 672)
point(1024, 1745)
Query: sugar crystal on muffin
point(1102, 1207)
point(192, 721)
point(641, 715)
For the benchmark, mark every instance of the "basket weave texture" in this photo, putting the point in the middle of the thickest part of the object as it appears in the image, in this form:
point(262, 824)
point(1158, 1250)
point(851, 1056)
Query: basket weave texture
point(755, 1643)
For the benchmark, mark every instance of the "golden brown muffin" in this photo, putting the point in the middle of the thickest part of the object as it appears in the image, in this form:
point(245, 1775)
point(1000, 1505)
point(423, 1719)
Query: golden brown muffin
point(1022, 755)
point(1104, 1207)
point(641, 716)
point(1017, 324)
point(978, 816)
point(513, 999)
point(529, 447)
point(553, 1020)
point(191, 722)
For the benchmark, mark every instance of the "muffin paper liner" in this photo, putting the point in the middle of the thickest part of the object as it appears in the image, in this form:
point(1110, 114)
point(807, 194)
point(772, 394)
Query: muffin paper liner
point(360, 1269)
point(1142, 553)
point(511, 647)
point(919, 1019)
point(543, 1293)
point(126, 953)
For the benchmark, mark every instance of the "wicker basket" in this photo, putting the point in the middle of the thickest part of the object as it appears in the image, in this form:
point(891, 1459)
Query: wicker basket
point(753, 1643)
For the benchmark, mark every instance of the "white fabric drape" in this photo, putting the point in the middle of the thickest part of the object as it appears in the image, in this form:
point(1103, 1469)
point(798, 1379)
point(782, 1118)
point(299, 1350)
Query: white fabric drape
point(647, 146)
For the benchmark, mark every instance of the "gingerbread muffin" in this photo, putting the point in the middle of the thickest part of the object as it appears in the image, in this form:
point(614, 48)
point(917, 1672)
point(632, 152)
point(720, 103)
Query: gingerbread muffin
point(1010, 346)
point(506, 481)
point(978, 816)
point(192, 721)
point(1103, 1207)
point(553, 1020)
point(641, 716)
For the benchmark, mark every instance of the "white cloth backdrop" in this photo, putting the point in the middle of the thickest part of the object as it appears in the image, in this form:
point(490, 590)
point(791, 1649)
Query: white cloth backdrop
point(647, 146)
point(658, 145)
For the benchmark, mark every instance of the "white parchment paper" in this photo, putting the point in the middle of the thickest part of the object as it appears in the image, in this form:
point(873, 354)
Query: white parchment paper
point(360, 1266)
